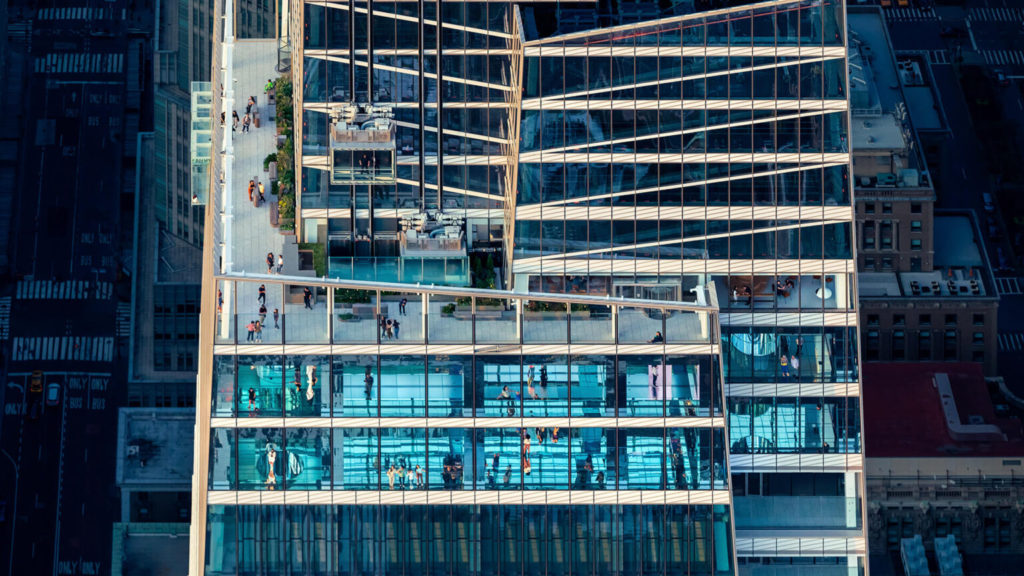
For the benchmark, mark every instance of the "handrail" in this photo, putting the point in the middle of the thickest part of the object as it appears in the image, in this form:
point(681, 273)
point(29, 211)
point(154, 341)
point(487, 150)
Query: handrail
point(477, 292)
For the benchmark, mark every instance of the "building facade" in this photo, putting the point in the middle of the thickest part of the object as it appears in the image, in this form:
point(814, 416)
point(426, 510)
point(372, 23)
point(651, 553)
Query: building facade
point(925, 296)
point(557, 260)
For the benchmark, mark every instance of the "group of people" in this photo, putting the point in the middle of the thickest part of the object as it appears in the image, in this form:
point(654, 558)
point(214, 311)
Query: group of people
point(789, 364)
point(270, 255)
point(257, 192)
point(511, 397)
point(245, 121)
point(389, 328)
point(255, 327)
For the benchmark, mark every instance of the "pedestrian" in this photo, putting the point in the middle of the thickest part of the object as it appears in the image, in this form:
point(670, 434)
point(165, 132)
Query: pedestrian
point(412, 477)
point(248, 106)
point(234, 121)
point(784, 366)
point(280, 262)
point(419, 476)
point(245, 123)
point(251, 329)
point(388, 329)
point(276, 315)
point(220, 301)
point(307, 298)
point(494, 462)
point(401, 306)
point(259, 331)
point(368, 382)
point(269, 86)
point(394, 326)
point(262, 297)
point(252, 188)
point(262, 197)
point(401, 476)
point(794, 364)
point(391, 477)
point(508, 475)
point(252, 399)
point(270, 262)
point(799, 346)
point(383, 326)
point(222, 118)
point(263, 314)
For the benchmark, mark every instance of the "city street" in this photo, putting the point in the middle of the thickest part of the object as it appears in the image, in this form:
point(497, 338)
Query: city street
point(67, 256)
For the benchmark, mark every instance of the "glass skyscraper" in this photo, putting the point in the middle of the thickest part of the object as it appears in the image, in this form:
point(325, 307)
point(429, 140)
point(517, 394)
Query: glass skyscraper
point(584, 298)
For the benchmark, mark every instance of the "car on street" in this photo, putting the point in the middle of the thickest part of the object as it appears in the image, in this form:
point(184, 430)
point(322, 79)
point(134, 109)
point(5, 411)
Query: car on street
point(35, 410)
point(35, 384)
point(52, 394)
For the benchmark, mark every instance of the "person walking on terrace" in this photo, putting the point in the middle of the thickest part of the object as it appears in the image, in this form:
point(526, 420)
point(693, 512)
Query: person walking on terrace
point(262, 197)
point(307, 298)
point(245, 123)
point(280, 262)
point(262, 297)
point(252, 188)
point(270, 262)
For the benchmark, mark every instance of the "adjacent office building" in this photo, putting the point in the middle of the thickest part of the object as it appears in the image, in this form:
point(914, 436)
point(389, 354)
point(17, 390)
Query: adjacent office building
point(556, 261)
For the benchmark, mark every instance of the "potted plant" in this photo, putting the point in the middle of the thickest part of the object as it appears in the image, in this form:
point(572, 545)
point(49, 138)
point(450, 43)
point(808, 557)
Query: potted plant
point(448, 310)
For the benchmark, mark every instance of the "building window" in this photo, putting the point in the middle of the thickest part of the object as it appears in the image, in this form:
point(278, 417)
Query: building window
point(899, 319)
point(949, 346)
point(915, 225)
point(872, 319)
point(899, 345)
point(978, 356)
point(915, 208)
point(925, 320)
point(873, 342)
point(924, 345)
point(979, 319)
point(886, 207)
point(869, 207)
point(978, 337)
point(887, 263)
point(950, 319)
point(915, 243)
point(869, 262)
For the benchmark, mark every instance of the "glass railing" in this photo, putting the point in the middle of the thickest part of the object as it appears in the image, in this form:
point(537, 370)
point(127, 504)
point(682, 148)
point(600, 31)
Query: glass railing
point(510, 458)
point(797, 513)
point(275, 312)
point(447, 271)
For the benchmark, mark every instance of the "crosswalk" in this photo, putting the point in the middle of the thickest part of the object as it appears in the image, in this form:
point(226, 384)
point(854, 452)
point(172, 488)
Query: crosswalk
point(1011, 342)
point(909, 15)
point(938, 56)
point(80, 348)
point(79, 13)
point(1003, 57)
point(1008, 286)
point(65, 290)
point(997, 14)
point(124, 319)
point(5, 318)
point(79, 63)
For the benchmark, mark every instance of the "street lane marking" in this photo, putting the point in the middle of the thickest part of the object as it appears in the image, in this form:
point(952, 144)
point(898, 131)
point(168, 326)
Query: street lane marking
point(996, 14)
point(909, 15)
point(85, 348)
point(1011, 342)
point(1008, 286)
point(5, 318)
point(64, 290)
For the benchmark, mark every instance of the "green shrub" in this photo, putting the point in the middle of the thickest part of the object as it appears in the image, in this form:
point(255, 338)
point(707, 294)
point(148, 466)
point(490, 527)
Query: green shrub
point(272, 157)
point(448, 309)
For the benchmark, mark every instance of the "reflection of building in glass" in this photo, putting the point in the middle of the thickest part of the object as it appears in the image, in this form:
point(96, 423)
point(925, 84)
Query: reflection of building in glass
point(551, 266)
